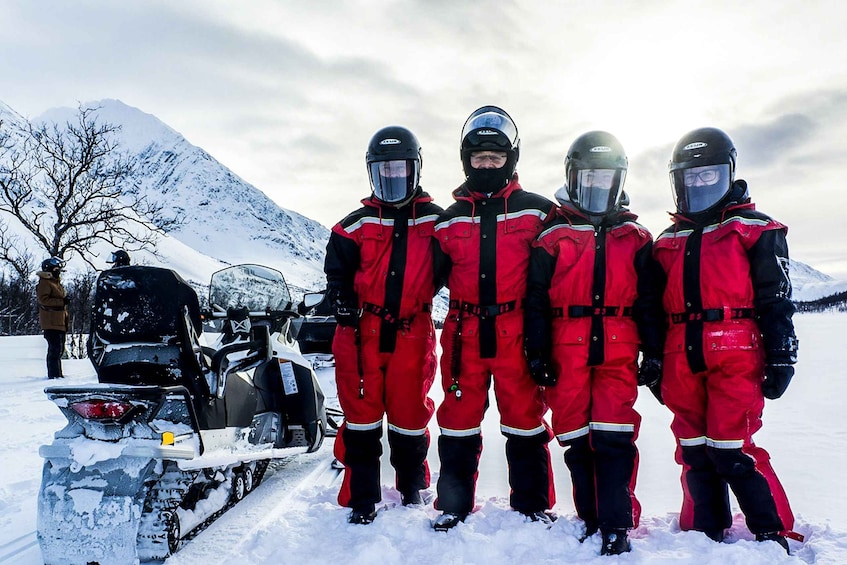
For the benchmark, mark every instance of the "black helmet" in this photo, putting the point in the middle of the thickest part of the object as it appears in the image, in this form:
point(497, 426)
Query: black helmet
point(595, 169)
point(394, 165)
point(489, 129)
point(702, 172)
point(52, 264)
point(119, 258)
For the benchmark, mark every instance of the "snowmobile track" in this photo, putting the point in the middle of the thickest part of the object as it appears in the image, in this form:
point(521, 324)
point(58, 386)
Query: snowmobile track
point(285, 480)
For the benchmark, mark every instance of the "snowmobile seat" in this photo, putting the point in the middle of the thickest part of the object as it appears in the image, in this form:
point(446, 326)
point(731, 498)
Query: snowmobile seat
point(145, 330)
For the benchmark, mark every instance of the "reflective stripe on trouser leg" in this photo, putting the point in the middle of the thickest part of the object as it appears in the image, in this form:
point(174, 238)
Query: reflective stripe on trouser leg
point(359, 451)
point(408, 457)
point(530, 475)
point(705, 497)
point(459, 468)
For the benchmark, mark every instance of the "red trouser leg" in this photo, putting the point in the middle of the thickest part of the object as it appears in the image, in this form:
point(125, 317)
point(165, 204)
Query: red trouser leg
point(716, 414)
point(596, 404)
point(395, 383)
point(358, 444)
point(409, 374)
point(521, 409)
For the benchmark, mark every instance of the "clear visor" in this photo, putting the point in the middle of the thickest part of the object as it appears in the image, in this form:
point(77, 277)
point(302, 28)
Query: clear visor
point(598, 190)
point(490, 125)
point(394, 181)
point(699, 188)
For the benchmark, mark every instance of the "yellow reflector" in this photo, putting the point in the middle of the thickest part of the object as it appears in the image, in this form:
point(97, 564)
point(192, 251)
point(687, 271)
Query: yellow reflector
point(167, 438)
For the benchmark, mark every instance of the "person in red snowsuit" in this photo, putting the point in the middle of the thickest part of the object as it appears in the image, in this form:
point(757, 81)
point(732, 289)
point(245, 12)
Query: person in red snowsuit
point(485, 239)
point(730, 340)
point(380, 280)
point(590, 294)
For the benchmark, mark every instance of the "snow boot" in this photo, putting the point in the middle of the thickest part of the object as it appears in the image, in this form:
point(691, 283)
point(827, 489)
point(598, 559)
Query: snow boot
point(774, 536)
point(411, 498)
point(543, 516)
point(447, 520)
point(362, 515)
point(715, 535)
point(615, 542)
point(590, 529)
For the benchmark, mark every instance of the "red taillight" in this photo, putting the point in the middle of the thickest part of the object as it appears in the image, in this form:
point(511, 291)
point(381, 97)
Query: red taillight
point(97, 409)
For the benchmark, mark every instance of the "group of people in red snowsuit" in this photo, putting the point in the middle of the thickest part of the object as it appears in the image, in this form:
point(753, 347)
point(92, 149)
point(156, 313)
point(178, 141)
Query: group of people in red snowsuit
point(556, 304)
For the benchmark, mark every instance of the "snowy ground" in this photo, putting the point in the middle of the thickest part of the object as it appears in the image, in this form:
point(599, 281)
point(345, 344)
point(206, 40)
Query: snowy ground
point(292, 518)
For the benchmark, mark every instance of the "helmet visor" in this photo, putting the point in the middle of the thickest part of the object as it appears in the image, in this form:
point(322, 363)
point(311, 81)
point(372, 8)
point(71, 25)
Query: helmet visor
point(597, 191)
point(490, 129)
point(394, 181)
point(697, 189)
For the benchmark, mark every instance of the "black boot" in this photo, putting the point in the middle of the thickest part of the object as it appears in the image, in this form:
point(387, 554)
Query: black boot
point(447, 520)
point(774, 536)
point(715, 535)
point(590, 529)
point(363, 515)
point(411, 498)
point(543, 516)
point(615, 542)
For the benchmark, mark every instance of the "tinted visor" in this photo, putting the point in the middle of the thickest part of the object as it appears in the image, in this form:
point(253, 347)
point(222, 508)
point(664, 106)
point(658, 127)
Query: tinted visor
point(598, 191)
point(490, 129)
point(394, 181)
point(698, 189)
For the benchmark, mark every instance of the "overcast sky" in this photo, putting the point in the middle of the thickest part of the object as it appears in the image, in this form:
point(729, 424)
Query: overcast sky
point(288, 93)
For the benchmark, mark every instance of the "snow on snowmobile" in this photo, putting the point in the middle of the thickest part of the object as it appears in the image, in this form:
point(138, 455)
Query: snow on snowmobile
point(174, 432)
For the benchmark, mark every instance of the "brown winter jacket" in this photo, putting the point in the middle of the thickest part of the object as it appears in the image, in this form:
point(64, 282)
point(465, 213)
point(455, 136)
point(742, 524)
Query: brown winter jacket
point(52, 312)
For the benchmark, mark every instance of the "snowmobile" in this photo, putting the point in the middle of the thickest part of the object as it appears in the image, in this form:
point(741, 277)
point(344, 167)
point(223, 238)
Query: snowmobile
point(175, 431)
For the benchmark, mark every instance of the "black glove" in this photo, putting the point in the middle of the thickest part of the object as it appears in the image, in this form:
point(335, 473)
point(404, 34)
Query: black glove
point(346, 311)
point(776, 380)
point(650, 375)
point(542, 372)
point(345, 306)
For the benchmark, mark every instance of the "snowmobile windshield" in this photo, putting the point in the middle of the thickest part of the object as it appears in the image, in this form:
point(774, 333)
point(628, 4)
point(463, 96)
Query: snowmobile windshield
point(598, 191)
point(394, 181)
point(489, 130)
point(698, 189)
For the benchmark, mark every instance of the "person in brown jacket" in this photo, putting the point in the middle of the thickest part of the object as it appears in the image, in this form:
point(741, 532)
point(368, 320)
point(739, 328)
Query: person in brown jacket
point(53, 313)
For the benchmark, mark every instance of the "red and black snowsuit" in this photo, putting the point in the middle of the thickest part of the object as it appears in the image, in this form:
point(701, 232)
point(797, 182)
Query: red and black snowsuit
point(727, 298)
point(486, 243)
point(383, 256)
point(592, 294)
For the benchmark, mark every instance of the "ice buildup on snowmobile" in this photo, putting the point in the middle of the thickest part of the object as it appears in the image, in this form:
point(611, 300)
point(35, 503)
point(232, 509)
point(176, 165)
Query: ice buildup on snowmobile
point(175, 431)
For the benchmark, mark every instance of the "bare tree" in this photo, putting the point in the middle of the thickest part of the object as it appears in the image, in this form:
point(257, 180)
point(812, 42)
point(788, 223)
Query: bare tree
point(70, 186)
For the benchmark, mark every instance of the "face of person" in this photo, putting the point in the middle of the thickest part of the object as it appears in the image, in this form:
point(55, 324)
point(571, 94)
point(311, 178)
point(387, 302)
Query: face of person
point(394, 169)
point(597, 178)
point(702, 176)
point(488, 159)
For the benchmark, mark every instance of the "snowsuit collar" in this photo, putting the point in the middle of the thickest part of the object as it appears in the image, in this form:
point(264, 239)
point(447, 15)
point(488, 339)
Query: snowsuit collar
point(465, 193)
point(718, 217)
point(421, 198)
point(569, 212)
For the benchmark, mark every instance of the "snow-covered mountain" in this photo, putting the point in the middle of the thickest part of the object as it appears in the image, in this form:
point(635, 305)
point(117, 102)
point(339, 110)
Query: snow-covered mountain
point(811, 284)
point(227, 218)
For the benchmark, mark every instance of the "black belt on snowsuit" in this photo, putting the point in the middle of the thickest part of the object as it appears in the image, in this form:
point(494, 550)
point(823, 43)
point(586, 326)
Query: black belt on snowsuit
point(713, 315)
point(384, 314)
point(390, 324)
point(575, 311)
point(488, 311)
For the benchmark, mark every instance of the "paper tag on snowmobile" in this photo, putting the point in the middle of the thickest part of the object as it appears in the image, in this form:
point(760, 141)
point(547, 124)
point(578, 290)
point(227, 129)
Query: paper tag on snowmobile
point(289, 381)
